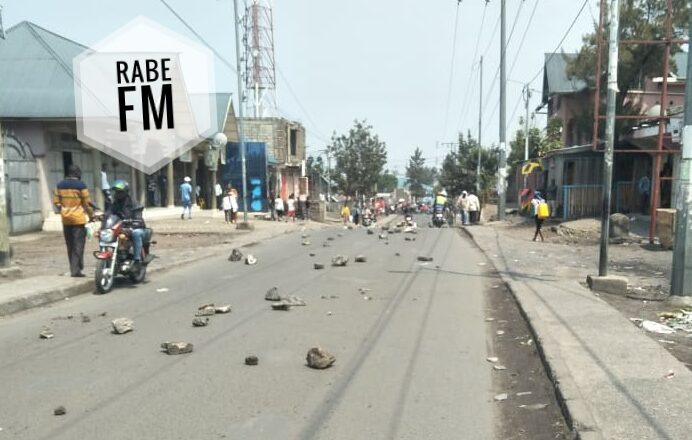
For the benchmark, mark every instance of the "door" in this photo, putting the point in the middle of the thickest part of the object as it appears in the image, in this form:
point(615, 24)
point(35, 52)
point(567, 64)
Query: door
point(23, 196)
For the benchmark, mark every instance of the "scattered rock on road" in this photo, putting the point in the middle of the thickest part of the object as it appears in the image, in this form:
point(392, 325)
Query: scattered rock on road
point(306, 243)
point(500, 397)
point(293, 301)
point(223, 309)
point(273, 294)
point(200, 321)
point(383, 236)
point(281, 305)
point(422, 258)
point(360, 259)
point(340, 234)
point(339, 261)
point(122, 325)
point(206, 310)
point(312, 254)
point(176, 347)
point(320, 359)
point(46, 334)
point(85, 319)
point(330, 238)
point(319, 266)
point(492, 359)
point(60, 411)
point(250, 260)
point(251, 360)
point(370, 232)
point(236, 255)
point(499, 367)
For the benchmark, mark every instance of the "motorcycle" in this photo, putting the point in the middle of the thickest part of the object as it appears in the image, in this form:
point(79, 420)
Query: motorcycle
point(115, 254)
point(366, 220)
point(408, 219)
point(438, 219)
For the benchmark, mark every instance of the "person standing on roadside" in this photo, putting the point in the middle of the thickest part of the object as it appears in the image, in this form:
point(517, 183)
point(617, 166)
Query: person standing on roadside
point(234, 205)
point(644, 187)
point(463, 205)
point(186, 198)
point(474, 208)
point(105, 187)
point(279, 207)
point(345, 213)
point(71, 198)
point(227, 207)
point(291, 208)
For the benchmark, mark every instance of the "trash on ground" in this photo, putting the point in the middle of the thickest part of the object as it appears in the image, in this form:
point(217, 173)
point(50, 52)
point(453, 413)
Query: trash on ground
point(250, 260)
point(669, 375)
point(200, 321)
point(319, 359)
point(680, 320)
point(251, 360)
point(500, 397)
point(162, 290)
point(500, 332)
point(306, 243)
point(655, 327)
point(492, 359)
point(360, 259)
point(273, 294)
point(46, 334)
point(223, 309)
point(60, 411)
point(122, 325)
point(499, 367)
point(236, 255)
point(423, 258)
point(665, 341)
point(535, 406)
point(339, 261)
point(206, 310)
point(176, 347)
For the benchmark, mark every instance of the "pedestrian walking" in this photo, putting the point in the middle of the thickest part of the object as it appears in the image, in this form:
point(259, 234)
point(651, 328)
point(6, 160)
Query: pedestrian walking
point(474, 208)
point(345, 213)
point(644, 187)
point(463, 205)
point(291, 205)
point(540, 211)
point(186, 198)
point(71, 198)
point(279, 207)
point(105, 187)
point(302, 205)
point(227, 207)
point(234, 205)
point(356, 215)
point(272, 207)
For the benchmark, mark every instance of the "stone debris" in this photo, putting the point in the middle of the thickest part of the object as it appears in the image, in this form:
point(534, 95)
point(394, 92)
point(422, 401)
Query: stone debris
point(383, 236)
point(397, 254)
point(330, 238)
point(319, 266)
point(122, 325)
point(60, 411)
point(500, 397)
point(385, 227)
point(409, 239)
point(306, 243)
point(319, 359)
point(236, 255)
point(103, 314)
point(162, 290)
point(367, 298)
point(200, 321)
point(325, 244)
point(339, 261)
point(499, 367)
point(422, 258)
point(329, 313)
point(524, 393)
point(250, 260)
point(492, 359)
point(176, 347)
point(500, 332)
point(312, 254)
point(364, 289)
point(251, 360)
point(85, 319)
point(222, 309)
point(360, 259)
point(305, 236)
point(273, 294)
point(294, 301)
point(340, 234)
point(281, 305)
point(535, 406)
point(46, 334)
point(349, 227)
point(370, 232)
point(206, 310)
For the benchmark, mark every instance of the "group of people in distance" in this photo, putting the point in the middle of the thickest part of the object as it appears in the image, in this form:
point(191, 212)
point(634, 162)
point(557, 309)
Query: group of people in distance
point(470, 208)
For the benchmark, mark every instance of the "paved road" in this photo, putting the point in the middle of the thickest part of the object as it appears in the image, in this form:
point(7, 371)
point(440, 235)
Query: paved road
point(410, 362)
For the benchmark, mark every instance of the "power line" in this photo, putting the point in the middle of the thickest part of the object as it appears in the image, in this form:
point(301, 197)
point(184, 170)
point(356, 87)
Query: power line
point(465, 108)
point(523, 37)
point(451, 69)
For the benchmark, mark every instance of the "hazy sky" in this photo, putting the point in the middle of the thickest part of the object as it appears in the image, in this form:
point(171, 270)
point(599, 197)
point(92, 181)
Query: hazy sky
point(387, 61)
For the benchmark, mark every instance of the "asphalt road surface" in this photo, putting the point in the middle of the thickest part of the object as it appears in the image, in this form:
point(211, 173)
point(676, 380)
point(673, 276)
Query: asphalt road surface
point(410, 361)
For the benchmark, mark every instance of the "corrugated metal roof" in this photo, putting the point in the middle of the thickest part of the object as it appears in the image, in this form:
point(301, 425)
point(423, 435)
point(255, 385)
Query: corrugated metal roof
point(36, 73)
point(555, 78)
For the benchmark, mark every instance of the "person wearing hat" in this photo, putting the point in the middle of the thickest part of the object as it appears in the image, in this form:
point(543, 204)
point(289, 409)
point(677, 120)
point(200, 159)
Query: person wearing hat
point(535, 202)
point(126, 208)
point(71, 198)
point(186, 198)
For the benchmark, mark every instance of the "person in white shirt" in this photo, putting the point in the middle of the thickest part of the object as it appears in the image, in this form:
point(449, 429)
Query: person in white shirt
point(474, 208)
point(227, 206)
point(463, 205)
point(105, 188)
point(291, 208)
point(279, 207)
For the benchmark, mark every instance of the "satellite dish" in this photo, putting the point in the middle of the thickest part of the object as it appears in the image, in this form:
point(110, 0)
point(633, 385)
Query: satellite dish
point(219, 140)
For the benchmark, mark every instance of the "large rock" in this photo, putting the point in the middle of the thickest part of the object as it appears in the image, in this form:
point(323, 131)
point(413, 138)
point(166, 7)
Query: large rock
point(273, 294)
point(206, 310)
point(619, 226)
point(200, 321)
point(339, 261)
point(176, 347)
point(236, 255)
point(122, 325)
point(320, 359)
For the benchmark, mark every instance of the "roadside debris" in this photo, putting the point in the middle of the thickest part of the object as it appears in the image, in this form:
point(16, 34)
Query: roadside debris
point(524, 393)
point(329, 313)
point(85, 319)
point(236, 255)
point(423, 258)
point(397, 254)
point(492, 359)
point(162, 290)
point(176, 347)
point(669, 375)
point(653, 327)
point(325, 244)
point(206, 310)
point(59, 411)
point(281, 305)
point(306, 243)
point(312, 254)
point(339, 261)
point(318, 266)
point(122, 325)
point(535, 406)
point(319, 359)
point(383, 236)
point(46, 334)
point(293, 301)
point(273, 294)
point(370, 232)
point(500, 397)
point(360, 259)
point(330, 238)
point(200, 321)
point(500, 332)
point(680, 320)
point(499, 367)
point(250, 260)
point(251, 360)
point(340, 234)
point(223, 309)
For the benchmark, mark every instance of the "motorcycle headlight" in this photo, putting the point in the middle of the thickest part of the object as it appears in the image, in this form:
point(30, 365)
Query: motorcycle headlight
point(107, 235)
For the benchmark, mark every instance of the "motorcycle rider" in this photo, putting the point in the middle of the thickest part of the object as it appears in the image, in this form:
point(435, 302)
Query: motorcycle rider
point(440, 200)
point(128, 209)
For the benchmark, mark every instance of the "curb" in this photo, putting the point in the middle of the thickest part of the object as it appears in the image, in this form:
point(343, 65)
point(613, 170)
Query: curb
point(575, 411)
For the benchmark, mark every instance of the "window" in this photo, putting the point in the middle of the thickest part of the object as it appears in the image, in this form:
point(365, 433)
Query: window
point(66, 160)
point(293, 142)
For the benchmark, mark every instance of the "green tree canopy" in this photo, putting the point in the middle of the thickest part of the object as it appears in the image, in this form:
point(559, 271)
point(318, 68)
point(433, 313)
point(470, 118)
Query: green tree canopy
point(418, 175)
point(458, 171)
point(387, 182)
point(360, 158)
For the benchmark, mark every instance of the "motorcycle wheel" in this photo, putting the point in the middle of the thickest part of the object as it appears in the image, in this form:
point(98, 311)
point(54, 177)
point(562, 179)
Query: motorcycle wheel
point(139, 276)
point(103, 279)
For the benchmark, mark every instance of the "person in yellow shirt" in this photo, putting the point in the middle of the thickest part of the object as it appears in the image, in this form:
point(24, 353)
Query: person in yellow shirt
point(345, 213)
point(71, 198)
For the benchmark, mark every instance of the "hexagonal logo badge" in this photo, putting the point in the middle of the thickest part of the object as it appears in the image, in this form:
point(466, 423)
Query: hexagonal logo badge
point(145, 95)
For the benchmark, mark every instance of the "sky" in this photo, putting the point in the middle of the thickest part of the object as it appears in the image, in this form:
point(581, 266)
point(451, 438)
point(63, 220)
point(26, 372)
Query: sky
point(386, 61)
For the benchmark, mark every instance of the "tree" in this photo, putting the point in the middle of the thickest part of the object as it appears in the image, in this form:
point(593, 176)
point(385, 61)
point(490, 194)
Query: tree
point(360, 157)
point(458, 171)
point(418, 175)
point(517, 144)
point(387, 182)
point(639, 20)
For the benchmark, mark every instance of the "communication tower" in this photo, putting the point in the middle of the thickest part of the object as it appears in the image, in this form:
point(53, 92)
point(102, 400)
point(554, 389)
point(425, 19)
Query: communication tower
point(260, 69)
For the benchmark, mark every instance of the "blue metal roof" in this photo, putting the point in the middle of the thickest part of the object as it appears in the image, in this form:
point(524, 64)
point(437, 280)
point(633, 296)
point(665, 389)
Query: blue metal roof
point(36, 73)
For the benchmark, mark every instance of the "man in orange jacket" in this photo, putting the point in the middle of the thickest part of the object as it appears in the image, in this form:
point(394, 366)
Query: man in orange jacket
point(71, 198)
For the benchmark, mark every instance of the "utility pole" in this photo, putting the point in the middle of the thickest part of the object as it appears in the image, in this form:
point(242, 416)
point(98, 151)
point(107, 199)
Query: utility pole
point(4, 224)
point(527, 97)
point(502, 174)
point(681, 276)
point(241, 140)
point(480, 130)
point(329, 178)
point(610, 133)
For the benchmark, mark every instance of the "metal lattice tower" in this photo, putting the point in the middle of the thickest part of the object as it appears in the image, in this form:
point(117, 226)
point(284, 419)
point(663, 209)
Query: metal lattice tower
point(260, 69)
point(2, 29)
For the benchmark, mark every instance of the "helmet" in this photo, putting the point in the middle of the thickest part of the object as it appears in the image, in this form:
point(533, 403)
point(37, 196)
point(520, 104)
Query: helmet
point(443, 192)
point(187, 179)
point(120, 189)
